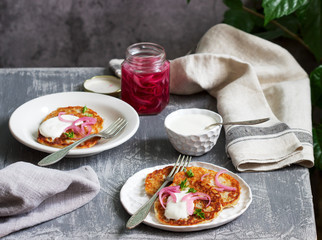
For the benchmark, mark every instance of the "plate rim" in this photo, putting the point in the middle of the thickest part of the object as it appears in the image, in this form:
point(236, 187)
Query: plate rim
point(197, 227)
point(74, 152)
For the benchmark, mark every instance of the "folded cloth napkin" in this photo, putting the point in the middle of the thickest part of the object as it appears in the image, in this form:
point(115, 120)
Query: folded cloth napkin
point(30, 195)
point(115, 65)
point(252, 78)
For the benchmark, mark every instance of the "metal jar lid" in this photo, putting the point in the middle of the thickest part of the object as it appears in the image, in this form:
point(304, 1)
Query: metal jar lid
point(105, 84)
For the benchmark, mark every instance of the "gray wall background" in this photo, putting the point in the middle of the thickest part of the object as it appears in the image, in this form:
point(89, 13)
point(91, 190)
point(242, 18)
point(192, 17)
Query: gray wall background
point(88, 33)
point(76, 33)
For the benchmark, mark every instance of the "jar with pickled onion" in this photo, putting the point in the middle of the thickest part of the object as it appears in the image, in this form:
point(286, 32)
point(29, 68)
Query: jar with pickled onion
point(145, 78)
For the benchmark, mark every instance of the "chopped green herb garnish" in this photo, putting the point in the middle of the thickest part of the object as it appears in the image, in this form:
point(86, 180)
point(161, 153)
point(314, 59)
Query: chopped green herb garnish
point(190, 173)
point(84, 109)
point(199, 213)
point(192, 190)
point(69, 134)
point(183, 184)
point(88, 114)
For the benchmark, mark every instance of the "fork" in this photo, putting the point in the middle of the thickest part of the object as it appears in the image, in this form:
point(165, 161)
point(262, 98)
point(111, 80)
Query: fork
point(110, 132)
point(143, 211)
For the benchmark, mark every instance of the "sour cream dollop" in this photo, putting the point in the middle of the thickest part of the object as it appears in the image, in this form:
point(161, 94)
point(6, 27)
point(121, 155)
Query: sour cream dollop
point(176, 210)
point(190, 123)
point(54, 128)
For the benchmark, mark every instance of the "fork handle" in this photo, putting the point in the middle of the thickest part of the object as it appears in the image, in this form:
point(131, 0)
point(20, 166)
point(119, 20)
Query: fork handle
point(56, 156)
point(144, 210)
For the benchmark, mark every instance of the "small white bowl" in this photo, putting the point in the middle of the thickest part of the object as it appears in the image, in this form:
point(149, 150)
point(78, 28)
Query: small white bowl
point(186, 130)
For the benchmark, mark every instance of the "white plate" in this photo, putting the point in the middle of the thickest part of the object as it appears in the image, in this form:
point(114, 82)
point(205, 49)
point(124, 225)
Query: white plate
point(133, 196)
point(25, 120)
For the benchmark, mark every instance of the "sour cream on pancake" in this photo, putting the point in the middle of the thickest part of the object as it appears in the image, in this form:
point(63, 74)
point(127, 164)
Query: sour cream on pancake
point(54, 128)
point(176, 210)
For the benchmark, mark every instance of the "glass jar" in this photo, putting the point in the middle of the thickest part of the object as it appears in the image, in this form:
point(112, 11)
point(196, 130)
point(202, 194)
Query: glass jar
point(145, 78)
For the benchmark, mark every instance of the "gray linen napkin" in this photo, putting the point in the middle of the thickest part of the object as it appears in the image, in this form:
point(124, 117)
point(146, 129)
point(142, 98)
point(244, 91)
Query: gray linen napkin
point(252, 78)
point(30, 195)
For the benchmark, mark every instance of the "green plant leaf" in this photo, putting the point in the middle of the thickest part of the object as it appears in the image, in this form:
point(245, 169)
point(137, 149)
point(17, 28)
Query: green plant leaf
point(311, 26)
point(290, 22)
point(316, 86)
point(271, 31)
point(277, 8)
point(270, 35)
point(317, 144)
point(233, 4)
point(239, 19)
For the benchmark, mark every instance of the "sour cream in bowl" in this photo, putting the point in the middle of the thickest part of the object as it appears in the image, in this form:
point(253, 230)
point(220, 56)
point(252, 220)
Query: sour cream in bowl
point(187, 132)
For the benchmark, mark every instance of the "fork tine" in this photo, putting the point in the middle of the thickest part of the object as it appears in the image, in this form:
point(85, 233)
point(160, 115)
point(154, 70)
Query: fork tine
point(111, 126)
point(180, 165)
point(185, 161)
point(186, 164)
point(118, 127)
point(174, 166)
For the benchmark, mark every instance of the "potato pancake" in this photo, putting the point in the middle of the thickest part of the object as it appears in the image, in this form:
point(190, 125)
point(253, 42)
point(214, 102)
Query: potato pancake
point(200, 180)
point(155, 179)
point(210, 212)
point(228, 198)
point(64, 138)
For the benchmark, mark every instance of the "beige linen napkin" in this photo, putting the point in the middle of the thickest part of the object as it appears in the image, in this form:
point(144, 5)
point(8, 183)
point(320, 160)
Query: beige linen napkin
point(251, 78)
point(30, 195)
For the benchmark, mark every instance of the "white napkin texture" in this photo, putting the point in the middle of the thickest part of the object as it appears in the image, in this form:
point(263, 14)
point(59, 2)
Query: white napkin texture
point(115, 65)
point(252, 78)
point(30, 195)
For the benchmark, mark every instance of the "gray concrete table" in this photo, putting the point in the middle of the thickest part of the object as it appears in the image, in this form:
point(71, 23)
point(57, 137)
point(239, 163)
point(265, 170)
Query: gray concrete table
point(282, 206)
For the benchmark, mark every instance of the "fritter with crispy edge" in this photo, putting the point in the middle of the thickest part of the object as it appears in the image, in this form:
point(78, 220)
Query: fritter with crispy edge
point(207, 185)
point(228, 198)
point(64, 140)
point(210, 212)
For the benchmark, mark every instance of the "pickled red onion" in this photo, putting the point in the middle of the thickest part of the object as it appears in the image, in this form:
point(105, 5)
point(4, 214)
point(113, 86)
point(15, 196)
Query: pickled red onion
point(203, 176)
point(84, 122)
point(168, 191)
point(190, 197)
point(148, 93)
point(62, 119)
point(222, 185)
point(217, 189)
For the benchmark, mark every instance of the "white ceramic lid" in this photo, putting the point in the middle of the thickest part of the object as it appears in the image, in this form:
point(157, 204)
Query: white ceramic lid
point(105, 84)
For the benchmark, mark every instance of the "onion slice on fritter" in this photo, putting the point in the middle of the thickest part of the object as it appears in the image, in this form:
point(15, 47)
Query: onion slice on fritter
point(190, 197)
point(85, 122)
point(222, 185)
point(62, 119)
point(168, 191)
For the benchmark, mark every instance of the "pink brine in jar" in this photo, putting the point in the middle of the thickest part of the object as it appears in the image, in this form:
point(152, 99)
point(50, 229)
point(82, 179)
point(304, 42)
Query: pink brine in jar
point(145, 78)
